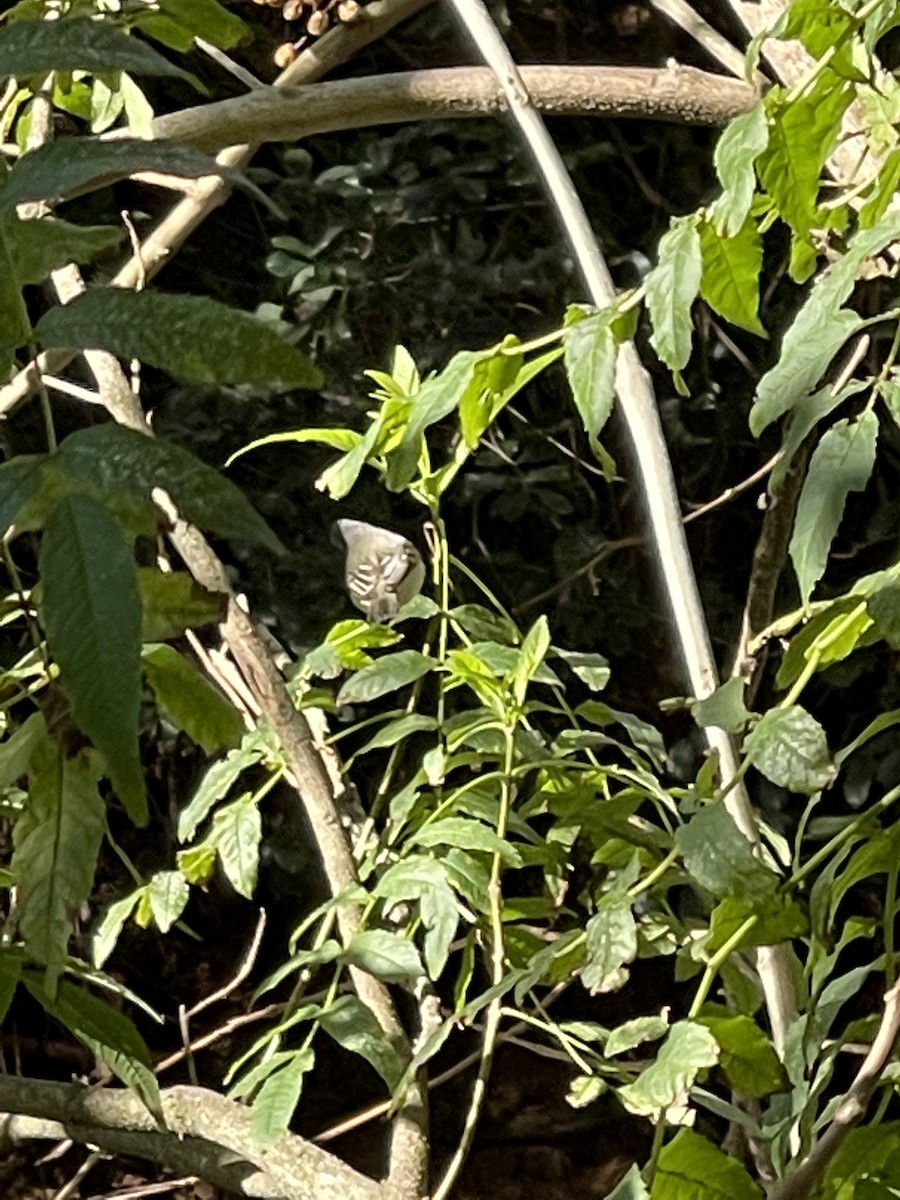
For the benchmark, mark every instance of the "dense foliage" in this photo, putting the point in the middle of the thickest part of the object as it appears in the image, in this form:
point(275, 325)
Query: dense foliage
point(523, 808)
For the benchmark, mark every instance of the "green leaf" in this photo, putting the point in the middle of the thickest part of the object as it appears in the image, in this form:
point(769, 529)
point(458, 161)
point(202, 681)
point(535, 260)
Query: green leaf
point(209, 20)
point(731, 271)
point(339, 439)
point(107, 933)
point(32, 47)
point(830, 636)
point(841, 463)
point(723, 708)
point(884, 609)
point(219, 779)
point(584, 1090)
point(531, 656)
point(634, 1033)
point(819, 330)
point(194, 338)
point(354, 1027)
point(21, 479)
point(192, 703)
point(16, 752)
point(398, 731)
point(425, 880)
point(691, 1166)
point(806, 414)
point(590, 360)
point(107, 1032)
point(466, 834)
point(386, 674)
point(671, 288)
point(236, 834)
point(274, 1105)
point(862, 1155)
point(69, 168)
point(736, 152)
point(747, 1056)
point(592, 669)
point(172, 602)
point(720, 858)
point(57, 839)
point(113, 458)
point(38, 247)
point(788, 746)
point(92, 616)
point(777, 919)
point(384, 955)
point(802, 133)
point(168, 893)
point(611, 944)
point(435, 399)
point(663, 1088)
point(15, 327)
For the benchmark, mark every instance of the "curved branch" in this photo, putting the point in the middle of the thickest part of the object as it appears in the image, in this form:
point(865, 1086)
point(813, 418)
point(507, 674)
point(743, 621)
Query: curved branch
point(673, 93)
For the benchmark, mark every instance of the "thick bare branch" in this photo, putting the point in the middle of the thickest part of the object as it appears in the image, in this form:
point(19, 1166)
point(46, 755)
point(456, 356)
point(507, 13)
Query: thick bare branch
point(672, 93)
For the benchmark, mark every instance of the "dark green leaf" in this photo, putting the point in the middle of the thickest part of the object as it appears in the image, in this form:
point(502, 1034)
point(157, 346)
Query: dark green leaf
point(777, 919)
point(65, 169)
point(39, 247)
point(788, 746)
point(108, 1032)
point(32, 47)
point(16, 751)
point(57, 839)
point(192, 337)
point(112, 457)
point(841, 463)
point(354, 1027)
point(91, 612)
point(172, 602)
point(192, 703)
point(20, 480)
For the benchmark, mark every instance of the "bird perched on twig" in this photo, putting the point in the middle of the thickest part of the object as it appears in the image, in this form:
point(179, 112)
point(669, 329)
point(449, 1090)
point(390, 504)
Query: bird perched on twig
point(384, 570)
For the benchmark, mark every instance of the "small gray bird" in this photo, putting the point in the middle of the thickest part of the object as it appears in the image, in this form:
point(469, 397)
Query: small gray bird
point(384, 569)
